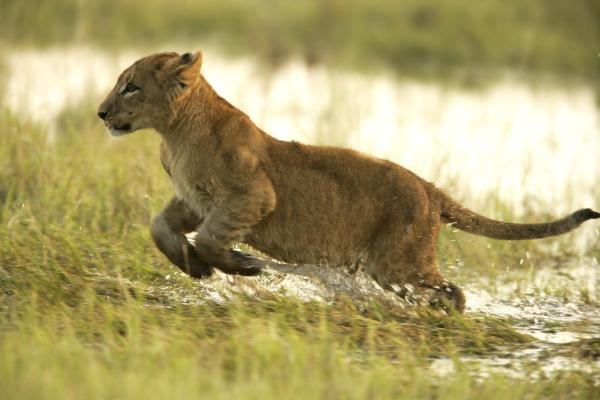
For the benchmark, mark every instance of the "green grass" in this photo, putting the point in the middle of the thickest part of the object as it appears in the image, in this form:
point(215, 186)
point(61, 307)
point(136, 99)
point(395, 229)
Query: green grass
point(86, 311)
point(425, 37)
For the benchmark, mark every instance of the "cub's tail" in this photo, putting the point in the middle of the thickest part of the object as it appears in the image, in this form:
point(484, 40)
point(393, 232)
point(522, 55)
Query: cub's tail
point(469, 221)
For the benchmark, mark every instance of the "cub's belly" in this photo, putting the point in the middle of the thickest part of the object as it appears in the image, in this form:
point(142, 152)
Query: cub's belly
point(286, 242)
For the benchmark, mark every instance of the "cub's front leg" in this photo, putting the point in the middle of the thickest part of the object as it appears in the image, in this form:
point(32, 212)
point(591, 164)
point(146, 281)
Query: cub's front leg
point(168, 232)
point(242, 204)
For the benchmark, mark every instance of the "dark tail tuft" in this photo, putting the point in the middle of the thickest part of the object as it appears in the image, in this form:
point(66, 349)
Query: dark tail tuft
point(585, 214)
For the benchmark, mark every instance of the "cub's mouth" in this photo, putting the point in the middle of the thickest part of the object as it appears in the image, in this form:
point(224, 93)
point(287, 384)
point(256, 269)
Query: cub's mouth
point(119, 130)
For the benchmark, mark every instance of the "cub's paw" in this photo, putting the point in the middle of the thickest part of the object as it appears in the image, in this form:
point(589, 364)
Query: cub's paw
point(243, 264)
point(196, 268)
point(200, 271)
point(449, 297)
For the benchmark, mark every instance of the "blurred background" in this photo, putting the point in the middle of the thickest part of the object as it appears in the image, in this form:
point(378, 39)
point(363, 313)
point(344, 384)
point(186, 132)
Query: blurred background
point(430, 38)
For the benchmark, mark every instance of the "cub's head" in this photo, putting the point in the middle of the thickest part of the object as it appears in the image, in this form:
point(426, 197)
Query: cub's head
point(145, 92)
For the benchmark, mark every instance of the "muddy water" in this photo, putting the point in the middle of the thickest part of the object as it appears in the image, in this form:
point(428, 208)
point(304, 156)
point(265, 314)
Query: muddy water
point(532, 148)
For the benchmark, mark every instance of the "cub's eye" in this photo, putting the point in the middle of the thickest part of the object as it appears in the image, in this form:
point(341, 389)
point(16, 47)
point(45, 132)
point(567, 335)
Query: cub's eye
point(129, 88)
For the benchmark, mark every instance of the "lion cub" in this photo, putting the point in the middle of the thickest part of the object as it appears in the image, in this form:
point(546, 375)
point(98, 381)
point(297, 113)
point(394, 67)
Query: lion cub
point(294, 202)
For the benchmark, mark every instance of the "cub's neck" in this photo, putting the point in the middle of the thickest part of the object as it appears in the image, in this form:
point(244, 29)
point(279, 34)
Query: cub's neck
point(198, 112)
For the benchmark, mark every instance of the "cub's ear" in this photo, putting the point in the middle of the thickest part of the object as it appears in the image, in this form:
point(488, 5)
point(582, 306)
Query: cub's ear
point(187, 68)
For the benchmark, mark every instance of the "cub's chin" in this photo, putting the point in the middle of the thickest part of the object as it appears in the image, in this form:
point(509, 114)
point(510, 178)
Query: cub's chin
point(120, 131)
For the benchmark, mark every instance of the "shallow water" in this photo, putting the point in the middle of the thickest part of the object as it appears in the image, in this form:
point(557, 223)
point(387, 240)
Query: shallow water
point(552, 320)
point(533, 148)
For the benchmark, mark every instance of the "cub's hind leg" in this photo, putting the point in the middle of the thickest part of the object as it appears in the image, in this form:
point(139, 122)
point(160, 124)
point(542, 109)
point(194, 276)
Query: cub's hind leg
point(405, 261)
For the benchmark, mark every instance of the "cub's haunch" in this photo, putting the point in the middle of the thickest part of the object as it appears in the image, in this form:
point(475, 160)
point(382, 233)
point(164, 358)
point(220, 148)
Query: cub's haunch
point(297, 203)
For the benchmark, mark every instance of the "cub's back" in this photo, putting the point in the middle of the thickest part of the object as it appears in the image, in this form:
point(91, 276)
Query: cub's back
point(330, 201)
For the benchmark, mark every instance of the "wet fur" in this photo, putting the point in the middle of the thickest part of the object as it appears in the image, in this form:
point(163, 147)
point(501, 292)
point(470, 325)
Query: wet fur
point(295, 202)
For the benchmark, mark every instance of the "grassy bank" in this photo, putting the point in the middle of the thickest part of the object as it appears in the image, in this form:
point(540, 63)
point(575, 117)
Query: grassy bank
point(425, 37)
point(87, 308)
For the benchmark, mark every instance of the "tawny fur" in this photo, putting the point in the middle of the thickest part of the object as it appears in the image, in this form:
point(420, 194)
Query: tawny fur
point(294, 202)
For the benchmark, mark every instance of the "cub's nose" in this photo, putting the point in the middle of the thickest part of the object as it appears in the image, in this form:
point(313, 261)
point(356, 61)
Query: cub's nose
point(102, 114)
